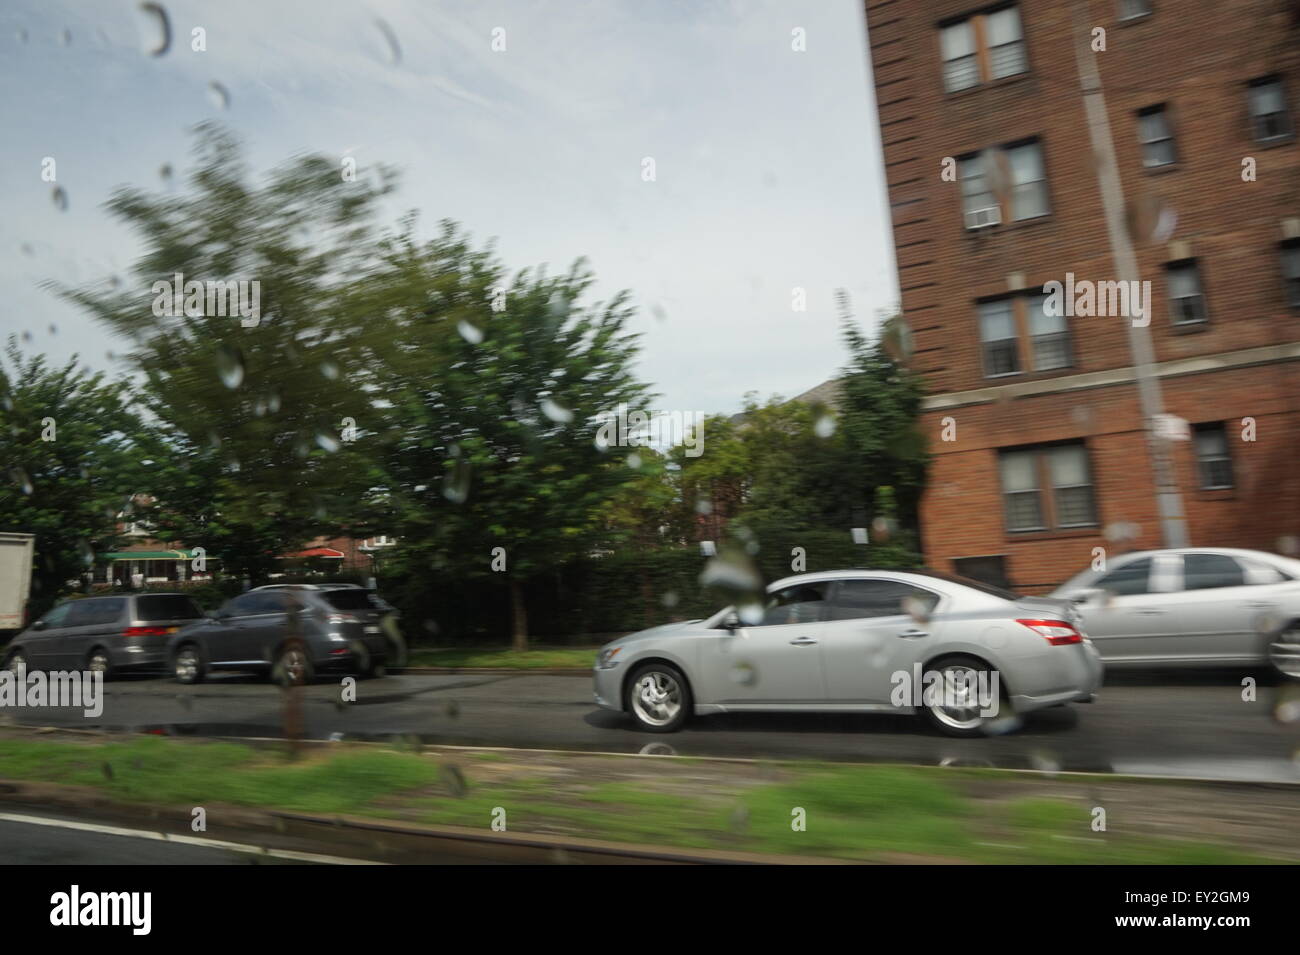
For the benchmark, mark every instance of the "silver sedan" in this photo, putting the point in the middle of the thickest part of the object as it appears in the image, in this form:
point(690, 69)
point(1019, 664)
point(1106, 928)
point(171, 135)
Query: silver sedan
point(967, 656)
point(1192, 607)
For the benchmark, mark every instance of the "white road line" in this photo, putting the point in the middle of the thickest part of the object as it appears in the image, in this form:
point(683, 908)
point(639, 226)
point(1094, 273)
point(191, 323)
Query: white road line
point(288, 854)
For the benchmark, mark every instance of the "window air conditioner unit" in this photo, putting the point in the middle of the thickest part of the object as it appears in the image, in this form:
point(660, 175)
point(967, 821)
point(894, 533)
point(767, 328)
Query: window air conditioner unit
point(983, 218)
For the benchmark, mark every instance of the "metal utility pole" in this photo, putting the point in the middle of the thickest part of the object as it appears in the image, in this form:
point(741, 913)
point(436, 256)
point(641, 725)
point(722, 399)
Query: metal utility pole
point(1169, 502)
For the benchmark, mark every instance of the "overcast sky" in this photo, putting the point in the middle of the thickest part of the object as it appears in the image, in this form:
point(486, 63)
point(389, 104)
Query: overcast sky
point(768, 168)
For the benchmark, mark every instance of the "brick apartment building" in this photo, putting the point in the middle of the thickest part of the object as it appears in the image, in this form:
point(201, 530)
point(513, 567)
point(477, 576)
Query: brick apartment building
point(1049, 455)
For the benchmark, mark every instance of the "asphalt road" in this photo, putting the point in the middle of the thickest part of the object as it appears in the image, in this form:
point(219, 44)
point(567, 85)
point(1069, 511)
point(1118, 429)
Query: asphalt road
point(1185, 724)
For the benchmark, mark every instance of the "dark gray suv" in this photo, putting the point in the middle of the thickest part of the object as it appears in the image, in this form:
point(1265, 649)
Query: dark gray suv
point(290, 631)
point(113, 634)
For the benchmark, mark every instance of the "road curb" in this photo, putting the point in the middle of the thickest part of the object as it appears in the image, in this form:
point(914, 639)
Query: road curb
point(367, 839)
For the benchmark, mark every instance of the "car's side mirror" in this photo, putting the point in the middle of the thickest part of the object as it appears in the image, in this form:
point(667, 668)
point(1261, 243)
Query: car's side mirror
point(1083, 598)
point(39, 625)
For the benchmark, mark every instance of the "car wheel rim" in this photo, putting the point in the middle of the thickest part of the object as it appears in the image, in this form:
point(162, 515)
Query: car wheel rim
point(187, 665)
point(98, 663)
point(295, 665)
point(1285, 652)
point(657, 698)
point(959, 707)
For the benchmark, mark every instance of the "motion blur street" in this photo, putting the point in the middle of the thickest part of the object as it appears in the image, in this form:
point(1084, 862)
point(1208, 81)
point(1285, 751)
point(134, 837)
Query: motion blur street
point(1187, 724)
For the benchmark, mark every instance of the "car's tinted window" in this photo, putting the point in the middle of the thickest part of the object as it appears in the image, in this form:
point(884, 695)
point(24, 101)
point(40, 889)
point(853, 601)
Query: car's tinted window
point(166, 607)
point(58, 617)
point(278, 601)
point(244, 605)
point(354, 600)
point(1204, 571)
point(1132, 578)
point(87, 613)
point(877, 598)
point(802, 603)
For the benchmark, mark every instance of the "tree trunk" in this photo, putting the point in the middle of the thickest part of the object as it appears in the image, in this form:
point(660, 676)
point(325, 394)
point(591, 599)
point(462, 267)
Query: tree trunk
point(519, 628)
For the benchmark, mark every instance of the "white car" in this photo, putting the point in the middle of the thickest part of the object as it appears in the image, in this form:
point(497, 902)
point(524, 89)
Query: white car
point(1192, 606)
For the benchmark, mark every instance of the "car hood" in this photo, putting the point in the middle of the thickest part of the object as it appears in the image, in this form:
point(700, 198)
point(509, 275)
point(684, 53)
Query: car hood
point(664, 630)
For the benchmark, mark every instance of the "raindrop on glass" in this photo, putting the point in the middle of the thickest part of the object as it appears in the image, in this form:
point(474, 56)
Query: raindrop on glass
point(825, 426)
point(470, 332)
point(556, 412)
point(60, 198)
point(20, 478)
point(160, 29)
point(390, 42)
point(219, 95)
point(230, 366)
point(327, 442)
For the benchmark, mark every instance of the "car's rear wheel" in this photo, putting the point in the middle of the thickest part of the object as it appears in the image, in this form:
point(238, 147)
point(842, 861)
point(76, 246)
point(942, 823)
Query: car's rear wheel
point(292, 667)
point(97, 661)
point(1284, 650)
point(951, 700)
point(16, 661)
point(659, 698)
point(188, 665)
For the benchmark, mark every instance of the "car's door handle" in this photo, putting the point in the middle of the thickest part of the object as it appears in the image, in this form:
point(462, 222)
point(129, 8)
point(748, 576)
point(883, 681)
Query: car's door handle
point(802, 642)
point(914, 633)
point(1150, 611)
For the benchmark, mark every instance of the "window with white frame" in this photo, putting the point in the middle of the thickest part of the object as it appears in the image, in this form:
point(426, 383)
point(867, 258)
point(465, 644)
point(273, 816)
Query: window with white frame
point(1213, 460)
point(1186, 301)
point(999, 338)
point(1047, 488)
point(1049, 336)
point(1028, 181)
point(982, 47)
point(1268, 111)
point(1155, 136)
point(1004, 183)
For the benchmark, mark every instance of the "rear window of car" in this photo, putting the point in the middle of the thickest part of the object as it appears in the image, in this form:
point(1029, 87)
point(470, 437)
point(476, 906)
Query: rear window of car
point(166, 607)
point(354, 600)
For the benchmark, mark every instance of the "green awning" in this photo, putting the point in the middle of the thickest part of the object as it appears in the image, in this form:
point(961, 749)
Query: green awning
point(148, 555)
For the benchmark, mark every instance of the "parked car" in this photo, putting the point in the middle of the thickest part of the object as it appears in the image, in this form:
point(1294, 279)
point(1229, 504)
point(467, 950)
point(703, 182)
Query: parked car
point(111, 634)
point(1192, 607)
point(290, 631)
point(838, 642)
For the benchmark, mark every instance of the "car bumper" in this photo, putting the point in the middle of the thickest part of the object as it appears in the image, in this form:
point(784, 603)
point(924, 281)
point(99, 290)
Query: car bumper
point(607, 687)
point(1050, 679)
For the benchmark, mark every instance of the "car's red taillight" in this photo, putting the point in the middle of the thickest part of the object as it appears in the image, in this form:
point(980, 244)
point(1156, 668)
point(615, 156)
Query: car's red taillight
point(1056, 632)
point(145, 632)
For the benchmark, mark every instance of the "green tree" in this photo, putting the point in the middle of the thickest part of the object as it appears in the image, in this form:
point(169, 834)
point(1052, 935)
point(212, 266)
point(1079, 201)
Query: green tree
point(249, 411)
point(73, 450)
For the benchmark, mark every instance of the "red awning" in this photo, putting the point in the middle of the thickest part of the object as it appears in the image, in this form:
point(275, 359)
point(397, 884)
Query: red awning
point(329, 552)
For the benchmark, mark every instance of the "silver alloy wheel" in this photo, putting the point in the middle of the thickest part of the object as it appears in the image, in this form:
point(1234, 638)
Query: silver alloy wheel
point(1285, 652)
point(187, 665)
point(98, 662)
point(657, 698)
point(959, 685)
point(293, 664)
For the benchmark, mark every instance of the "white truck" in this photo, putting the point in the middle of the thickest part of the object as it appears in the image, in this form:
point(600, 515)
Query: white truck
point(15, 579)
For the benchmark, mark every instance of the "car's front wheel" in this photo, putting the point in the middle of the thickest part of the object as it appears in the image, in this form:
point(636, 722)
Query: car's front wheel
point(1284, 650)
point(951, 697)
point(188, 665)
point(292, 667)
point(659, 698)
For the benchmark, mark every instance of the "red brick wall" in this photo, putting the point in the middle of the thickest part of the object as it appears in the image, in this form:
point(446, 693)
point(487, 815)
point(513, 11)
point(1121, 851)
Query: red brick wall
point(1196, 56)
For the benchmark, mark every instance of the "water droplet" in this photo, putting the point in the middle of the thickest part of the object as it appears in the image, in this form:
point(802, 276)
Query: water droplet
point(329, 370)
point(219, 95)
point(160, 29)
point(390, 42)
point(28, 250)
point(556, 412)
point(86, 553)
point(455, 486)
point(65, 38)
point(60, 197)
point(20, 478)
point(230, 366)
point(54, 329)
point(658, 312)
point(634, 461)
point(327, 442)
point(22, 35)
point(165, 172)
point(470, 332)
point(825, 426)
point(669, 599)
